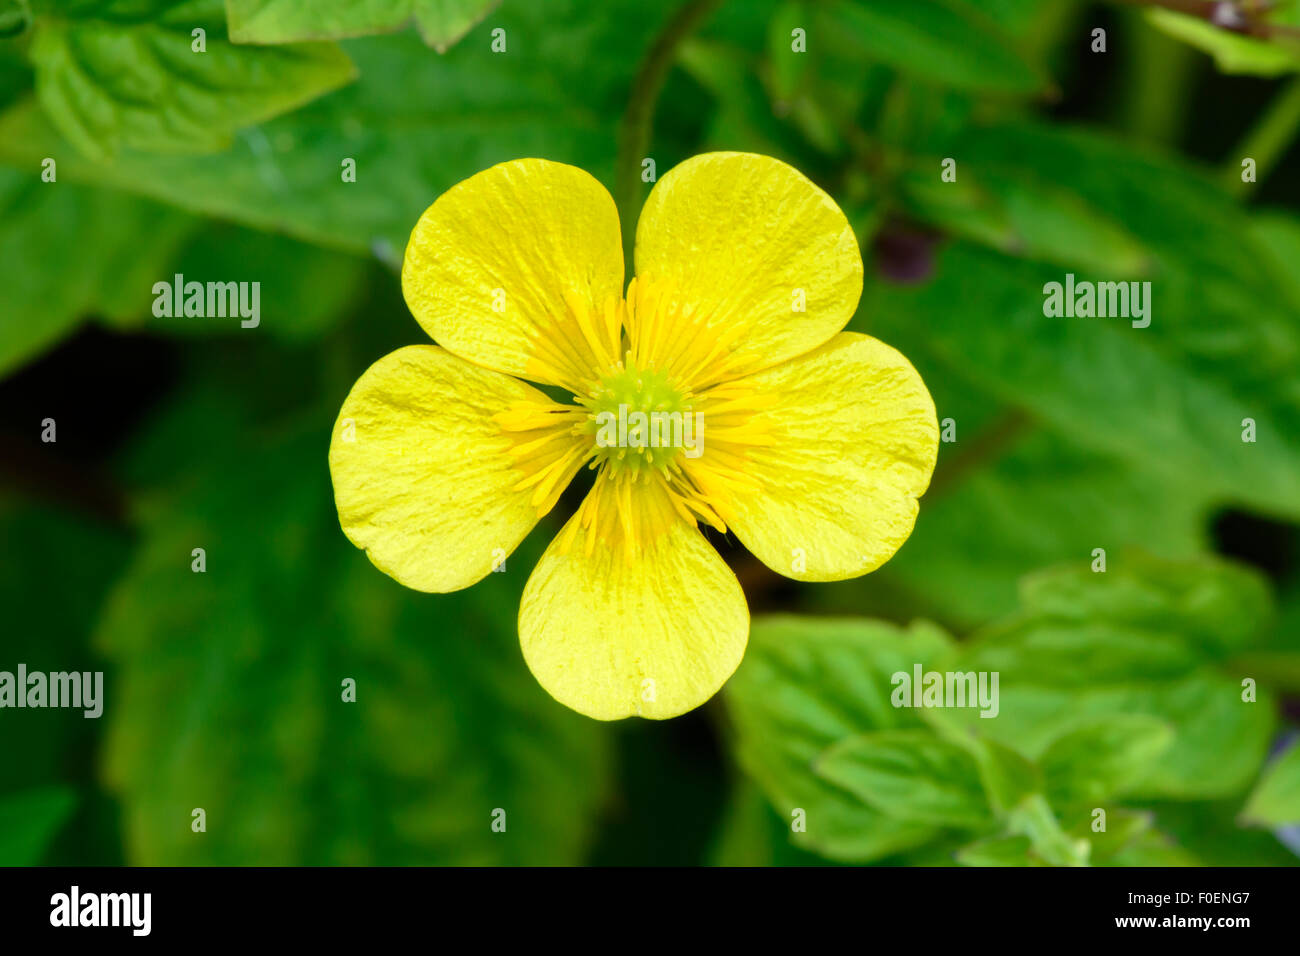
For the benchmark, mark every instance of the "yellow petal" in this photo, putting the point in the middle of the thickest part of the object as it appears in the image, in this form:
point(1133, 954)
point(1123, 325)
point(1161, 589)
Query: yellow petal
point(520, 269)
point(852, 441)
point(425, 479)
point(613, 635)
point(745, 240)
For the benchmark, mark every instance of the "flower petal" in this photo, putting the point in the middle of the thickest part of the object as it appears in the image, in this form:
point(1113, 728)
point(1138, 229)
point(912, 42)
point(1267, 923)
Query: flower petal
point(425, 479)
point(520, 268)
point(853, 442)
point(740, 237)
point(653, 634)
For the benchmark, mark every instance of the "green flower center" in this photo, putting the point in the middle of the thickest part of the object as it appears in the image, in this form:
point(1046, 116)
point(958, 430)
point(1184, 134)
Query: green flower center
point(639, 420)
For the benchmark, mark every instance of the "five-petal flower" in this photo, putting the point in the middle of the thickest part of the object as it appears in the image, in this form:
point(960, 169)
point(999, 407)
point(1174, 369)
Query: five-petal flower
point(815, 443)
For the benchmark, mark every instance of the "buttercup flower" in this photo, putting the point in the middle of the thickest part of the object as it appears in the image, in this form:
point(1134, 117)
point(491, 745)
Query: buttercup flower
point(719, 388)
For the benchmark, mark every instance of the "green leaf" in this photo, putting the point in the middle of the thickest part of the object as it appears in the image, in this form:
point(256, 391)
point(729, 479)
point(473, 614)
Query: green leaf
point(752, 834)
point(302, 289)
point(1008, 777)
point(1222, 345)
point(1101, 757)
point(49, 617)
point(1232, 52)
point(440, 22)
point(1152, 849)
point(229, 695)
point(910, 775)
point(1000, 851)
point(113, 76)
point(1275, 800)
point(15, 18)
point(1034, 818)
point(29, 822)
point(1124, 830)
point(1216, 607)
point(948, 42)
point(1041, 503)
point(415, 124)
point(1210, 834)
point(1022, 216)
point(1141, 639)
point(121, 243)
point(805, 684)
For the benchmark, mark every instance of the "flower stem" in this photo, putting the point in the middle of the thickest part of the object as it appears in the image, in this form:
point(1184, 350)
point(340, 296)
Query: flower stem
point(634, 135)
point(1268, 140)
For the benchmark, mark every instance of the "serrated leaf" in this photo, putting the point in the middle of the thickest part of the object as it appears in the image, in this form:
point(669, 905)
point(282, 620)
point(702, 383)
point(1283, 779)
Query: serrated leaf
point(909, 775)
point(805, 684)
point(113, 78)
point(1131, 648)
point(440, 22)
point(415, 125)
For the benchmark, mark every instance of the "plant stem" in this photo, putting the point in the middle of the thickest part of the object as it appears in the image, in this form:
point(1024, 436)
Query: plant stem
point(1269, 139)
point(634, 135)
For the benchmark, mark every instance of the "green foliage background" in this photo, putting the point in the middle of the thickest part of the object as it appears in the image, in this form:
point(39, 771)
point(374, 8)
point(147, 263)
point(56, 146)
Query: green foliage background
point(1120, 690)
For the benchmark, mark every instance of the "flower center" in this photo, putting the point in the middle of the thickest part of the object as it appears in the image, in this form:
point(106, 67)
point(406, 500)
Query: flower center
point(639, 420)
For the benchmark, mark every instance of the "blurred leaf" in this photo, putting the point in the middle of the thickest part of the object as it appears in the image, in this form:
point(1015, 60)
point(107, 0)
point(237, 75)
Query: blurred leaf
point(753, 835)
point(1275, 800)
point(1223, 344)
point(1000, 851)
point(230, 691)
point(1215, 606)
point(1131, 642)
point(15, 18)
point(440, 22)
point(98, 251)
point(303, 289)
point(1007, 776)
point(805, 684)
point(1025, 217)
point(1278, 238)
point(1098, 758)
point(49, 618)
point(1046, 502)
point(114, 74)
point(1124, 829)
point(1152, 849)
point(1034, 818)
point(1232, 52)
point(909, 775)
point(29, 822)
point(415, 125)
point(949, 42)
point(1209, 834)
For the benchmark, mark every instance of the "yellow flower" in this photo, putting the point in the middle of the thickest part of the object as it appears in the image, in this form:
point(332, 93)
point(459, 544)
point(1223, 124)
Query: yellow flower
point(815, 443)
